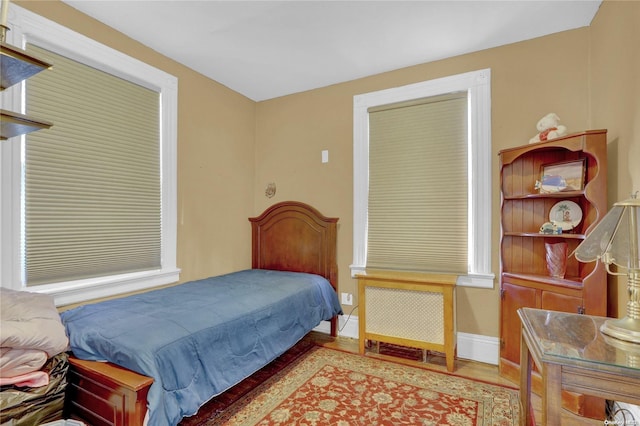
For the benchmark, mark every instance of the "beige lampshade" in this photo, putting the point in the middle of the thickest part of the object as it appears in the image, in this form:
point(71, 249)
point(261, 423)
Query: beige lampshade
point(615, 241)
point(615, 238)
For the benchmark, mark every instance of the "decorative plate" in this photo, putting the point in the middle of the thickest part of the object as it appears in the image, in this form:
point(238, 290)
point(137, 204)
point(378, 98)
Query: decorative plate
point(566, 214)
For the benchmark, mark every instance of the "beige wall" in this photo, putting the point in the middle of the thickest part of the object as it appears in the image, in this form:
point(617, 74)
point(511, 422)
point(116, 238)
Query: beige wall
point(615, 105)
point(230, 147)
point(529, 79)
point(588, 76)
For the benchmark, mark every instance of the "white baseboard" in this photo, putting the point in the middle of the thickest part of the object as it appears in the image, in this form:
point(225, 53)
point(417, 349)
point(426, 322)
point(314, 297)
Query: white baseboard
point(346, 328)
point(475, 347)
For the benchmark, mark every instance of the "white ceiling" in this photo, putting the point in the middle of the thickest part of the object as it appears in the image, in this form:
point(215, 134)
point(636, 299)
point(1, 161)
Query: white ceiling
point(266, 49)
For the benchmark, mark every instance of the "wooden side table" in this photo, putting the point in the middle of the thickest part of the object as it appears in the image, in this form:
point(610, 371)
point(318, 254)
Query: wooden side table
point(571, 353)
point(408, 309)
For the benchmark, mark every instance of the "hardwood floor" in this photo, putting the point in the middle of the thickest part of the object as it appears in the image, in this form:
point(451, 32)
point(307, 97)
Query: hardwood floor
point(464, 368)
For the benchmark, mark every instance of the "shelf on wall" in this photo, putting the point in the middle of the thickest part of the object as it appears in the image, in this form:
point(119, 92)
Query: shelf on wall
point(15, 124)
point(17, 65)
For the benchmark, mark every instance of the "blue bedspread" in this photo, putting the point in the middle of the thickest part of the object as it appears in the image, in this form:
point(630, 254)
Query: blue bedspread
point(200, 338)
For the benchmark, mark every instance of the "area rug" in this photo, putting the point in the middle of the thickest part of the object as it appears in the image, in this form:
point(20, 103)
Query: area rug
point(330, 387)
point(209, 413)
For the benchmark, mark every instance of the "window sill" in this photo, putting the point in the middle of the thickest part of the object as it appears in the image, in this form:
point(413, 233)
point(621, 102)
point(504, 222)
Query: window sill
point(66, 293)
point(469, 280)
point(476, 280)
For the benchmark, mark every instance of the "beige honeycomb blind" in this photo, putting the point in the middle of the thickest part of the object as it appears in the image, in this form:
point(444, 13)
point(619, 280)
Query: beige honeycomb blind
point(92, 182)
point(418, 189)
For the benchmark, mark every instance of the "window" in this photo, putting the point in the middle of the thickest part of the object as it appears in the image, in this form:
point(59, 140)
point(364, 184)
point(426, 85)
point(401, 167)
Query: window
point(88, 207)
point(464, 97)
point(417, 207)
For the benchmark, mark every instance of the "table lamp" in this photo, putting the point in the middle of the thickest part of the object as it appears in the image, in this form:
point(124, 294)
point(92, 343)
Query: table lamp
point(615, 241)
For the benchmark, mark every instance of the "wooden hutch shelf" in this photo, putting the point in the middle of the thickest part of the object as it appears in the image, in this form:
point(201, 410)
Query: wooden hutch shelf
point(539, 235)
point(563, 194)
point(524, 279)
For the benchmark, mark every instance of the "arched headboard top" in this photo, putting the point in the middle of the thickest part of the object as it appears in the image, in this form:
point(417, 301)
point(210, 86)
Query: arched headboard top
point(293, 236)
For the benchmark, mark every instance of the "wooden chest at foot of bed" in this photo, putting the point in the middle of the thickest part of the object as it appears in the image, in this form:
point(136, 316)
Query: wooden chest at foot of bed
point(101, 393)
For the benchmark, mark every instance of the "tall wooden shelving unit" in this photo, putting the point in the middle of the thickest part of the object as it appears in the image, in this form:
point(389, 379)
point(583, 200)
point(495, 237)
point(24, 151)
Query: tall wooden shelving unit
point(524, 279)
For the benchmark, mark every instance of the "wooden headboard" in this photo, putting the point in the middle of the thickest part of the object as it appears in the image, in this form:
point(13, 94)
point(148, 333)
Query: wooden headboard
point(293, 236)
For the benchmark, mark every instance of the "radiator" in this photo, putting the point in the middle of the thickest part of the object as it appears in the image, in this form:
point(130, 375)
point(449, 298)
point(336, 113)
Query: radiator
point(409, 309)
point(406, 314)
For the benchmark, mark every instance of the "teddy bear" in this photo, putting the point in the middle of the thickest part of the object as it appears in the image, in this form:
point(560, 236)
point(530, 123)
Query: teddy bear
point(549, 127)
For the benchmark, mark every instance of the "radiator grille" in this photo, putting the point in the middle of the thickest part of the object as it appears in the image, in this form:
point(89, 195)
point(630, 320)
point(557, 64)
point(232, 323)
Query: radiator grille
point(416, 315)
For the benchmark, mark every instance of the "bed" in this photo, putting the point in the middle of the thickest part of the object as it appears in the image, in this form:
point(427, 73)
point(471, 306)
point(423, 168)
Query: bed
point(198, 339)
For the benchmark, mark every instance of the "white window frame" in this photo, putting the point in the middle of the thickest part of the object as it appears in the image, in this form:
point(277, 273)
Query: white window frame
point(28, 27)
point(477, 84)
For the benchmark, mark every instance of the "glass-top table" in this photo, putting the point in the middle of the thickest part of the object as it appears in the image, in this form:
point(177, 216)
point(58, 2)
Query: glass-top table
point(571, 353)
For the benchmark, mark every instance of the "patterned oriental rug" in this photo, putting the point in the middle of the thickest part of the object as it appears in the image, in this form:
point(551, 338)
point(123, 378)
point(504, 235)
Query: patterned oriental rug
point(329, 387)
